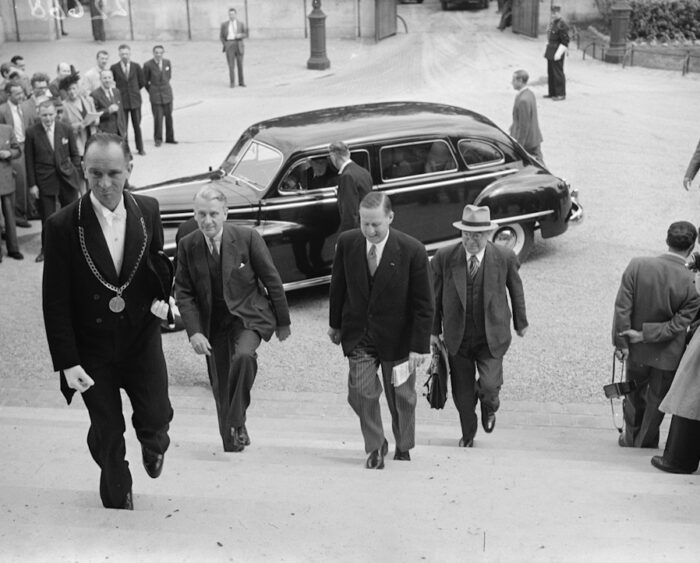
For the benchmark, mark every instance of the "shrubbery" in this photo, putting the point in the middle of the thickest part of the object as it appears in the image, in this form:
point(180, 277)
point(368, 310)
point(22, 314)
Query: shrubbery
point(665, 21)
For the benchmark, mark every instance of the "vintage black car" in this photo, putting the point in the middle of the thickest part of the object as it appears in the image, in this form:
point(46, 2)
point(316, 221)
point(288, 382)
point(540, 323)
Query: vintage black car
point(430, 159)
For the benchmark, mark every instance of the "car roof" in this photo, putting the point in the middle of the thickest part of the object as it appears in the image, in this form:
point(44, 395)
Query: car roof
point(357, 124)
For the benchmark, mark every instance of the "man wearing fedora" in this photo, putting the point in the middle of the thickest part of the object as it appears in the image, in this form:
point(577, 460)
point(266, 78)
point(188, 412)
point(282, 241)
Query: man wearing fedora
point(472, 281)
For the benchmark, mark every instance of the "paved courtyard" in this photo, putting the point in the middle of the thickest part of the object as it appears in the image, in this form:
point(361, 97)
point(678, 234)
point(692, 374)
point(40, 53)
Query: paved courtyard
point(549, 485)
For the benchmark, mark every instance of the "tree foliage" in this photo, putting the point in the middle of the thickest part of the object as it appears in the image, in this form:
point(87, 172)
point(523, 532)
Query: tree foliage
point(665, 21)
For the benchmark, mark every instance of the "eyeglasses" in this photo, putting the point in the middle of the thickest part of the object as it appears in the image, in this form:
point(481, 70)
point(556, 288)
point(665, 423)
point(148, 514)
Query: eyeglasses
point(473, 235)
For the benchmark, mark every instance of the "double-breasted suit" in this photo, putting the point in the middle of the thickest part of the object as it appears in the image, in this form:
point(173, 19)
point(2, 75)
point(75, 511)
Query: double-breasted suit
point(658, 298)
point(110, 122)
point(54, 170)
point(234, 303)
point(381, 319)
point(473, 316)
point(8, 142)
point(23, 205)
point(157, 82)
point(117, 349)
point(129, 87)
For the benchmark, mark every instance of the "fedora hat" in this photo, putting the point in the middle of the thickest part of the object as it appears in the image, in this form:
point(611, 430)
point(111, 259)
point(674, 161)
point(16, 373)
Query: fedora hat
point(475, 218)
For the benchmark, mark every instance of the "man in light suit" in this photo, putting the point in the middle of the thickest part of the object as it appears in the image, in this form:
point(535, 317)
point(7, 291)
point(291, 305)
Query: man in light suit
point(354, 183)
point(230, 297)
point(9, 151)
point(128, 78)
point(381, 310)
point(157, 74)
point(105, 289)
point(472, 281)
point(108, 100)
point(526, 127)
point(52, 165)
point(15, 112)
point(655, 304)
point(231, 34)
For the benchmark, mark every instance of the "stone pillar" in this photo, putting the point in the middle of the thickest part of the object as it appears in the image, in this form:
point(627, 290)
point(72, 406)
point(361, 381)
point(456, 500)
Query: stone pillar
point(317, 35)
point(619, 24)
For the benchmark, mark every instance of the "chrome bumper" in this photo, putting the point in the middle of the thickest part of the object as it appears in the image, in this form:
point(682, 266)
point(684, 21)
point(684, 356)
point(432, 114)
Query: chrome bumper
point(576, 213)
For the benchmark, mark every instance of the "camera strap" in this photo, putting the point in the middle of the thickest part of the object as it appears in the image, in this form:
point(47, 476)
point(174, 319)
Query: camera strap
point(612, 399)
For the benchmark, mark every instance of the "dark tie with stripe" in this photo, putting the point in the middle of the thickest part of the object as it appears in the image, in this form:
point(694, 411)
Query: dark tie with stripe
point(473, 266)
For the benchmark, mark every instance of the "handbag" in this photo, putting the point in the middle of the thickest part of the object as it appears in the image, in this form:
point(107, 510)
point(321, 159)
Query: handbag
point(436, 385)
point(617, 390)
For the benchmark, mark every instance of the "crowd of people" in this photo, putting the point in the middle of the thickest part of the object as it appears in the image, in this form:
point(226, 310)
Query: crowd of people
point(45, 124)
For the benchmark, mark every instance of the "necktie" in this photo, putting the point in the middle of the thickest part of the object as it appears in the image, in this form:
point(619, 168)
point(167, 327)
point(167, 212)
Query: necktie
point(83, 110)
point(109, 95)
point(49, 134)
point(473, 266)
point(372, 259)
point(126, 71)
point(214, 250)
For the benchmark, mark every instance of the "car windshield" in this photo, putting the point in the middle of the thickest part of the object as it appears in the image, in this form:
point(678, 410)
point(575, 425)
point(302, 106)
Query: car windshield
point(257, 165)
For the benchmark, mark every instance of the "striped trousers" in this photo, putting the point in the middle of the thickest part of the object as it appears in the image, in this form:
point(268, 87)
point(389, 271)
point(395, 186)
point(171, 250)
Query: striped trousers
point(364, 390)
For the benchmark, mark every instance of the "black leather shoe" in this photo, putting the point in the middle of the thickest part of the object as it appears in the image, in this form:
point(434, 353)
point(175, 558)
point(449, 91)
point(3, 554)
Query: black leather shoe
point(547, 96)
point(376, 458)
point(234, 444)
point(558, 98)
point(659, 462)
point(16, 255)
point(39, 258)
point(402, 456)
point(142, 152)
point(488, 418)
point(243, 435)
point(622, 442)
point(128, 502)
point(466, 443)
point(159, 143)
point(242, 85)
point(173, 142)
point(152, 462)
point(23, 223)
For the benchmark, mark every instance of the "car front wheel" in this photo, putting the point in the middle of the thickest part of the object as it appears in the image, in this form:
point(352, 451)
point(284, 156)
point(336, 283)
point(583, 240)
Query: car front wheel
point(519, 237)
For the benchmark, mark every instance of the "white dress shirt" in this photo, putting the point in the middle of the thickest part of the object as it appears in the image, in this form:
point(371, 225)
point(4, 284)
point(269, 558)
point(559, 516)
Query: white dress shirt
point(113, 225)
point(380, 247)
point(215, 240)
point(49, 135)
point(479, 256)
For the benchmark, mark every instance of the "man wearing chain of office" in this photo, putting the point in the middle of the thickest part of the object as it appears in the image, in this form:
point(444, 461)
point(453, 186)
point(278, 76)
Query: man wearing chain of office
point(105, 290)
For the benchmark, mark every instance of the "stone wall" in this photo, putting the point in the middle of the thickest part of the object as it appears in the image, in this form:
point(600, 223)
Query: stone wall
point(167, 20)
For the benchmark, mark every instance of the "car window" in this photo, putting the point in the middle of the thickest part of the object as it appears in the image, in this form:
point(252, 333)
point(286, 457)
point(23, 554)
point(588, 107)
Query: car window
point(258, 165)
point(412, 159)
point(479, 153)
point(317, 172)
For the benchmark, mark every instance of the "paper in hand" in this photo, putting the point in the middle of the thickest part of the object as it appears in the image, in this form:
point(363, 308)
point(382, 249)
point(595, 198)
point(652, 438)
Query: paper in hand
point(400, 374)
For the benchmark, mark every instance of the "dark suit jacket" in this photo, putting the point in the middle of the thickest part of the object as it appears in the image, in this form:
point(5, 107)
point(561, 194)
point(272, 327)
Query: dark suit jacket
point(526, 126)
point(110, 122)
point(353, 184)
point(28, 115)
point(8, 142)
point(79, 324)
point(129, 86)
point(398, 311)
point(248, 272)
point(46, 167)
point(656, 296)
point(240, 30)
point(157, 82)
point(694, 164)
point(501, 278)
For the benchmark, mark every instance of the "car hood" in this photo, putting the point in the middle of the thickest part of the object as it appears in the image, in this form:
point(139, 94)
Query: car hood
point(177, 195)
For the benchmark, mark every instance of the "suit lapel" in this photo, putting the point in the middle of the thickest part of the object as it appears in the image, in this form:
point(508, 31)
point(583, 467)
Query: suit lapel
point(387, 266)
point(357, 256)
point(491, 268)
point(95, 242)
point(458, 264)
point(199, 259)
point(230, 256)
point(133, 243)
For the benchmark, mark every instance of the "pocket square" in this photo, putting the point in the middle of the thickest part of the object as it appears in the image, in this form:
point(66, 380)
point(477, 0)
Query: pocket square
point(242, 265)
point(64, 141)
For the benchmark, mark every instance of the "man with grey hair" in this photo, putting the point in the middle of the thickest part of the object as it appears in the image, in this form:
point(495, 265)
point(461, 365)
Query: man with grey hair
point(354, 183)
point(230, 297)
point(526, 128)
